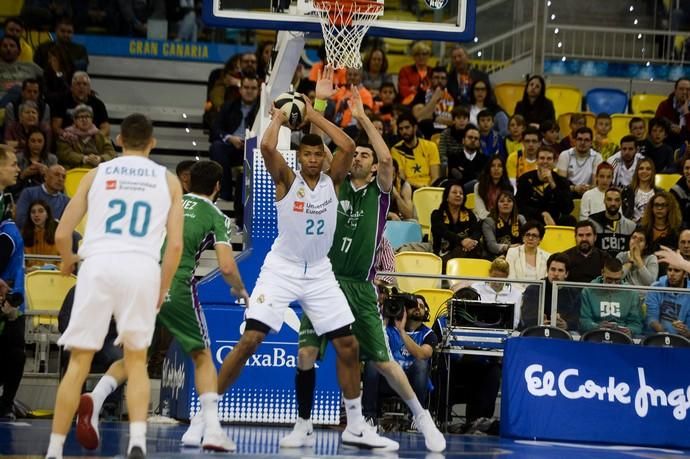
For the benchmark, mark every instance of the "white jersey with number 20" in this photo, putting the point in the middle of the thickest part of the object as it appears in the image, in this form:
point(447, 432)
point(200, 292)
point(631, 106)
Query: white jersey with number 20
point(128, 206)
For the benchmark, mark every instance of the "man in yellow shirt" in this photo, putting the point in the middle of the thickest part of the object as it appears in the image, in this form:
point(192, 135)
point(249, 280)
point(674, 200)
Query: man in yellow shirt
point(14, 27)
point(524, 159)
point(418, 158)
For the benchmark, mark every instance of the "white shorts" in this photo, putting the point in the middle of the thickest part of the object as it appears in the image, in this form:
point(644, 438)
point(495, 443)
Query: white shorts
point(125, 286)
point(314, 286)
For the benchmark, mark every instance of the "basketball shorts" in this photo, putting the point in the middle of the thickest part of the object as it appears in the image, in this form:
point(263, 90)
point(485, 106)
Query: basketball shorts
point(122, 285)
point(368, 327)
point(182, 315)
point(314, 286)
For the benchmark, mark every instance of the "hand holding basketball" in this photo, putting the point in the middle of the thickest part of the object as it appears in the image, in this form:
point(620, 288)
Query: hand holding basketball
point(294, 106)
point(324, 83)
point(278, 115)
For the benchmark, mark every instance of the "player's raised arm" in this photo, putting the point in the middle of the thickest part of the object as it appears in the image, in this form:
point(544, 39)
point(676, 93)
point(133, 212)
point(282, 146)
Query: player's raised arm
point(384, 171)
point(280, 172)
point(74, 212)
point(173, 247)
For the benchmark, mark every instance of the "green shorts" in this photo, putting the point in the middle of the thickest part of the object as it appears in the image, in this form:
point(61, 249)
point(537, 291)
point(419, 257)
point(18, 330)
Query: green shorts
point(182, 315)
point(368, 327)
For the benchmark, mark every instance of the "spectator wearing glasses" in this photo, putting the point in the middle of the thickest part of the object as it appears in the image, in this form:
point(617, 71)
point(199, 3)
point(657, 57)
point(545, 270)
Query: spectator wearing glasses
point(611, 308)
point(414, 78)
point(675, 110)
point(662, 221)
point(524, 159)
point(82, 144)
point(528, 261)
point(578, 164)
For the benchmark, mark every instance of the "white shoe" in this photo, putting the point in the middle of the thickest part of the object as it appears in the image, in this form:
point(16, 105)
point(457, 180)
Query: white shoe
point(216, 440)
point(192, 437)
point(364, 436)
point(433, 438)
point(302, 435)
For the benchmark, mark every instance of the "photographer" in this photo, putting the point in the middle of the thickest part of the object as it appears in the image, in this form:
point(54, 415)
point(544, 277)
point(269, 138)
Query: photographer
point(412, 344)
point(12, 356)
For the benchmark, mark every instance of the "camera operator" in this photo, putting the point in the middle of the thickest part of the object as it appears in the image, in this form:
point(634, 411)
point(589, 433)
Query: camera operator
point(412, 344)
point(12, 355)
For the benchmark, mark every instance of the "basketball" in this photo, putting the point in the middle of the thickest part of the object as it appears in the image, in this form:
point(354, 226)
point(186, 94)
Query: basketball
point(294, 105)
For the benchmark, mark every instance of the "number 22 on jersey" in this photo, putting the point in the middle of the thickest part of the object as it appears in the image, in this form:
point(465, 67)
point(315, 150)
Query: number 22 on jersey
point(315, 227)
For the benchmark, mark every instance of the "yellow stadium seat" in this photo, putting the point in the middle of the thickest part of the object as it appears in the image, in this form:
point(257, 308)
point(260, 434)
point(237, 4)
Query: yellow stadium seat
point(73, 178)
point(425, 200)
point(619, 126)
point(417, 263)
point(558, 238)
point(45, 292)
point(576, 208)
point(565, 98)
point(508, 95)
point(436, 298)
point(564, 122)
point(473, 267)
point(666, 181)
point(11, 8)
point(469, 201)
point(646, 103)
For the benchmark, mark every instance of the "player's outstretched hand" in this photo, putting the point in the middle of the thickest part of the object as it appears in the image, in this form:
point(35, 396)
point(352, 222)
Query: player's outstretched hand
point(324, 83)
point(241, 295)
point(68, 263)
point(355, 104)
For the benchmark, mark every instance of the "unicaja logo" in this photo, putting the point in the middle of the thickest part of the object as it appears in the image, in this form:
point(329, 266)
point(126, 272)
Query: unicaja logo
point(173, 376)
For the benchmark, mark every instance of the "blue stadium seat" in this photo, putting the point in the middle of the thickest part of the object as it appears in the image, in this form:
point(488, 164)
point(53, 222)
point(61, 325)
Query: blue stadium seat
point(402, 232)
point(606, 100)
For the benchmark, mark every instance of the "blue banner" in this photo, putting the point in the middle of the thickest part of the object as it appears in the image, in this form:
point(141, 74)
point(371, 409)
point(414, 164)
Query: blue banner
point(587, 392)
point(632, 70)
point(265, 391)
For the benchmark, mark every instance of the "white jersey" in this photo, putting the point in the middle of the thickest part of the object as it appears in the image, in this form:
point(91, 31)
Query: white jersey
point(306, 221)
point(128, 206)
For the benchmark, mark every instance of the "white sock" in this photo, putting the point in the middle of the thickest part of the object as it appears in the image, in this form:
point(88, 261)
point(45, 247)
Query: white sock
point(209, 409)
point(353, 411)
point(55, 445)
point(414, 406)
point(137, 436)
point(106, 386)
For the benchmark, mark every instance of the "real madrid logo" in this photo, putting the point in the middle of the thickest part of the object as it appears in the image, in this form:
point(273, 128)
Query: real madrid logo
point(300, 193)
point(436, 4)
point(260, 299)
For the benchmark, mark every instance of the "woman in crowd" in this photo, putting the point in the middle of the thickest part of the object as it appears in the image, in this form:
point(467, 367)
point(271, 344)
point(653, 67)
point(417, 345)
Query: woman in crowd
point(528, 261)
point(534, 106)
point(640, 266)
point(35, 160)
point(455, 230)
point(482, 98)
point(492, 181)
point(17, 134)
point(39, 233)
point(401, 207)
point(374, 71)
point(516, 127)
point(82, 144)
point(661, 221)
point(415, 77)
point(636, 195)
point(501, 229)
point(593, 199)
point(263, 59)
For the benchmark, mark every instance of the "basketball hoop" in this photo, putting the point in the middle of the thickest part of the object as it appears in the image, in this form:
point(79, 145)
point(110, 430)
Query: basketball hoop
point(344, 24)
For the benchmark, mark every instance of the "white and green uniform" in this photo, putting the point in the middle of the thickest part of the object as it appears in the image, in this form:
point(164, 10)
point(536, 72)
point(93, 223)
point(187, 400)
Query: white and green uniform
point(204, 227)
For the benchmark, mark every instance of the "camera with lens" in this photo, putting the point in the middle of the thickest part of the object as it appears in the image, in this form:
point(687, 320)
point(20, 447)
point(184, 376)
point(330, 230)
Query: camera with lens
point(15, 299)
point(395, 302)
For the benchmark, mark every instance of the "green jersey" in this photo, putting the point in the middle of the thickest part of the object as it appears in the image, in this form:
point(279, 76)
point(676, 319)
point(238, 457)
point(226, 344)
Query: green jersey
point(362, 216)
point(204, 227)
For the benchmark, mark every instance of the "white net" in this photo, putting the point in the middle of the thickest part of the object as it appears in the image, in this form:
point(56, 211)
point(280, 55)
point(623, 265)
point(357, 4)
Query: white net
point(344, 25)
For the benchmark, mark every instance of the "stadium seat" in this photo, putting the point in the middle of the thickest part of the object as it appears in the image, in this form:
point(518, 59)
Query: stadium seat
point(402, 232)
point(558, 238)
point(545, 331)
point(73, 178)
point(666, 340)
point(474, 267)
point(645, 103)
point(576, 208)
point(564, 122)
point(606, 335)
point(417, 263)
point(666, 181)
point(508, 95)
point(436, 298)
point(565, 98)
point(11, 8)
point(469, 201)
point(425, 200)
point(606, 100)
point(619, 126)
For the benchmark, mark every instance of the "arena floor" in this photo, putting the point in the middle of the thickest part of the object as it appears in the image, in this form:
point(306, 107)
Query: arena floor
point(28, 439)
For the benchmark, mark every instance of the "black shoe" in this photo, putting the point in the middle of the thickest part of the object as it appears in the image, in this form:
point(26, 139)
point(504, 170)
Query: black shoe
point(7, 416)
point(136, 453)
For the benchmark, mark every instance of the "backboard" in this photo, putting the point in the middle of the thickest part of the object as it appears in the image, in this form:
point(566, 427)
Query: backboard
point(444, 20)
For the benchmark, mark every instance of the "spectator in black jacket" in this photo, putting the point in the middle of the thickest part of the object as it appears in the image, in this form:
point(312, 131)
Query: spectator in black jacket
point(468, 164)
point(586, 260)
point(543, 195)
point(534, 106)
point(227, 138)
point(655, 146)
point(462, 76)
